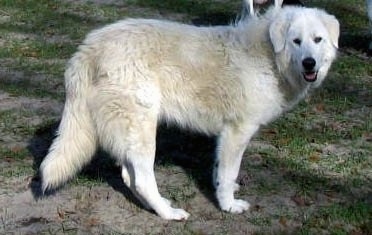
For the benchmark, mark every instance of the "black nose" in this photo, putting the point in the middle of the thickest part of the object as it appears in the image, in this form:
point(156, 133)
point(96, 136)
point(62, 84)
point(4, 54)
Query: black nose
point(309, 63)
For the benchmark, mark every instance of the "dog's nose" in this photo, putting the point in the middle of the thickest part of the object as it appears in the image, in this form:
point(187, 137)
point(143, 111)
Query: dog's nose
point(309, 63)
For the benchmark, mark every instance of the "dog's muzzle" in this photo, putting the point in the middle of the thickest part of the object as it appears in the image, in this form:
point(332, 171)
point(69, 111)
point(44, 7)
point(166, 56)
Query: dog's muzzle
point(310, 75)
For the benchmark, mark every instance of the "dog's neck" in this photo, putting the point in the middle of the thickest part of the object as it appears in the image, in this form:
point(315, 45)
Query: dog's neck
point(293, 93)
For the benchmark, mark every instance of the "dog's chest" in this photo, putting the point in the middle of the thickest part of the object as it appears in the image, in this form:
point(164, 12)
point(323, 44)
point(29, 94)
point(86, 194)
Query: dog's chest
point(264, 99)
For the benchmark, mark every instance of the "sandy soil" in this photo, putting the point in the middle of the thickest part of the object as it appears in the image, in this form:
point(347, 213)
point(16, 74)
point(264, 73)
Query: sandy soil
point(97, 202)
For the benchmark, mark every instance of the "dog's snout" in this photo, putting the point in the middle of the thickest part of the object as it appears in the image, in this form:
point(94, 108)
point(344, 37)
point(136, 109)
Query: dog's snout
point(309, 63)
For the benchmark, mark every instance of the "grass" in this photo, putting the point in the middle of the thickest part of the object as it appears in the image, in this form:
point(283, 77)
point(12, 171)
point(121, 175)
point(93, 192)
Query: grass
point(335, 216)
point(20, 123)
point(15, 162)
point(193, 7)
point(316, 157)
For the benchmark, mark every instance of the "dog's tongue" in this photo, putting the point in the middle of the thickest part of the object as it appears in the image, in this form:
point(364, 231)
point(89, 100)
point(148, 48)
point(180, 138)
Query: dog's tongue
point(310, 77)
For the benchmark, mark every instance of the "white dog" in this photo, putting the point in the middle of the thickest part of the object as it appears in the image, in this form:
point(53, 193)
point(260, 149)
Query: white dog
point(225, 81)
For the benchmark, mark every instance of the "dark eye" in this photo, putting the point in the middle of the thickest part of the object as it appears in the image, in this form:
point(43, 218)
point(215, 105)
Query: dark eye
point(297, 41)
point(317, 39)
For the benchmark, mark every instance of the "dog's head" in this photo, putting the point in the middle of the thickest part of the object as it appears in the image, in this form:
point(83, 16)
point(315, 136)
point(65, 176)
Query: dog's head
point(305, 42)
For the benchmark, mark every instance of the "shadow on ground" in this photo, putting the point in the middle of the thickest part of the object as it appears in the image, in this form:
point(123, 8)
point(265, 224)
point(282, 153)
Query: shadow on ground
point(191, 151)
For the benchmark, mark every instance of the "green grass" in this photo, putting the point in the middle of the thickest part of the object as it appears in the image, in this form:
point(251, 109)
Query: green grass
point(15, 162)
point(8, 125)
point(20, 122)
point(193, 7)
point(38, 37)
point(34, 88)
point(260, 221)
point(48, 18)
point(340, 219)
point(15, 154)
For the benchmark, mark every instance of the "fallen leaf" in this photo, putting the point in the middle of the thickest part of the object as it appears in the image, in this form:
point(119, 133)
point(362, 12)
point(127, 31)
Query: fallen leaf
point(17, 149)
point(299, 200)
point(367, 137)
point(284, 141)
point(314, 157)
point(283, 221)
point(92, 222)
point(356, 232)
point(319, 108)
point(61, 213)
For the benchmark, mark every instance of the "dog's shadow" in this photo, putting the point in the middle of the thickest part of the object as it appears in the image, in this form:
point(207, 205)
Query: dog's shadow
point(191, 151)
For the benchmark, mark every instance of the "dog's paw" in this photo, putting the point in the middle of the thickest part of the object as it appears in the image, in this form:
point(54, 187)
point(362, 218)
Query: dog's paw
point(175, 214)
point(236, 206)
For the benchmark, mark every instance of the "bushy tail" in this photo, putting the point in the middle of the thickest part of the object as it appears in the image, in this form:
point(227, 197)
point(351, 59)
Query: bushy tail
point(75, 143)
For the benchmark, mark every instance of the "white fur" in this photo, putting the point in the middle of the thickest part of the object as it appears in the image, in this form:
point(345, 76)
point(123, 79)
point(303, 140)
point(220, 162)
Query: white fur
point(369, 11)
point(248, 6)
point(225, 81)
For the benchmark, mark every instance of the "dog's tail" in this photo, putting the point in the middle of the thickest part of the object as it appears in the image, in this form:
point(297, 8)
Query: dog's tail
point(75, 143)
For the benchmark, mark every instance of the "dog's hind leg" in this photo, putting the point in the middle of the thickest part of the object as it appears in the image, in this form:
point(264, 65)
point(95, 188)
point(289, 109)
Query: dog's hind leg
point(127, 130)
point(127, 179)
point(140, 164)
point(128, 175)
point(231, 146)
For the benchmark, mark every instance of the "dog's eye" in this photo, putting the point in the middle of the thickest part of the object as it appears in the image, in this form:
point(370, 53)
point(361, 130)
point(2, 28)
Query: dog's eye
point(317, 39)
point(297, 41)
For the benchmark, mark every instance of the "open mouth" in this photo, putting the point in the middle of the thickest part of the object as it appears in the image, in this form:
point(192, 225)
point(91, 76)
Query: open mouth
point(310, 76)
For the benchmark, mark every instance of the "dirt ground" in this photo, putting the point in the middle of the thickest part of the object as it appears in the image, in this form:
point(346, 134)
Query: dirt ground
point(97, 202)
point(101, 204)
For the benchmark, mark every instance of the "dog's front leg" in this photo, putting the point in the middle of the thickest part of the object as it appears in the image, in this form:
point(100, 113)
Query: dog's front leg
point(231, 146)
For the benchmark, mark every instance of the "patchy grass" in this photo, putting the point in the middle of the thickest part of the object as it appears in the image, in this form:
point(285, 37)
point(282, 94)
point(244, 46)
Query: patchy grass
point(337, 217)
point(309, 172)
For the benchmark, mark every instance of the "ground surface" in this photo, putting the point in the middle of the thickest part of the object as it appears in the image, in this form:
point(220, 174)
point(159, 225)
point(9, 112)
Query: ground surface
point(307, 173)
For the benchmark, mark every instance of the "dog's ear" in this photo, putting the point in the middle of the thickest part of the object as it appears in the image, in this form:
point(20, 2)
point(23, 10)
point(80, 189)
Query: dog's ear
point(333, 27)
point(278, 31)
